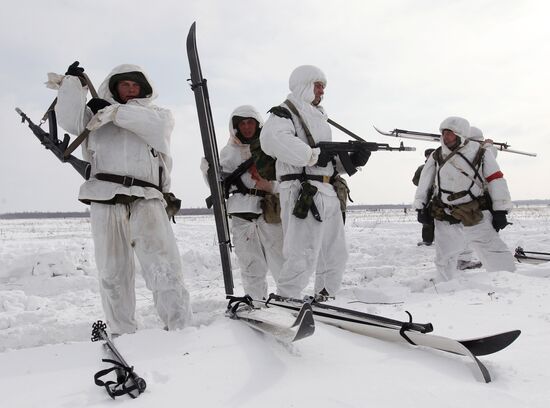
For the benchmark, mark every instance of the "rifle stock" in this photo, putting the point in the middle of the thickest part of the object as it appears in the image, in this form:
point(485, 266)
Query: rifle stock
point(53, 144)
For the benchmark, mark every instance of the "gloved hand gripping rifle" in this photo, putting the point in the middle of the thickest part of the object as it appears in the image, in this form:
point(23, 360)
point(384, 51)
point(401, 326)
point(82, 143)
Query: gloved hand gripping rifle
point(344, 149)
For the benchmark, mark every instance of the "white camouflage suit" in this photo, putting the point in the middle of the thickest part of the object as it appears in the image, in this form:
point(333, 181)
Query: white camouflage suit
point(309, 245)
point(131, 139)
point(258, 244)
point(456, 175)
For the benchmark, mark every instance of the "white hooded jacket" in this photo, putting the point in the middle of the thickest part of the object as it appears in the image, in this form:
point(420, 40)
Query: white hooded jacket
point(232, 155)
point(286, 140)
point(456, 175)
point(131, 139)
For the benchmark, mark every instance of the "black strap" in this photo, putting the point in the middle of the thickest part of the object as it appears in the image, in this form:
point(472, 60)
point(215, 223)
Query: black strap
point(309, 137)
point(118, 388)
point(127, 181)
point(315, 212)
point(281, 112)
point(475, 165)
point(305, 177)
point(250, 191)
point(235, 302)
point(407, 326)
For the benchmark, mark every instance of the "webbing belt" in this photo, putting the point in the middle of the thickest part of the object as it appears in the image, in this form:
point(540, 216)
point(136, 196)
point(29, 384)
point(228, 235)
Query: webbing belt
point(304, 177)
point(126, 181)
point(250, 191)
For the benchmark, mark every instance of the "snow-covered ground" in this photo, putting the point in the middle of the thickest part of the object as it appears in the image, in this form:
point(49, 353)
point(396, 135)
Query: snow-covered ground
point(49, 299)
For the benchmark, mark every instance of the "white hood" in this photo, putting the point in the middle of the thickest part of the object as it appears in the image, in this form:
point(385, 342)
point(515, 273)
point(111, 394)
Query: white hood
point(459, 126)
point(245, 111)
point(476, 134)
point(301, 82)
point(105, 93)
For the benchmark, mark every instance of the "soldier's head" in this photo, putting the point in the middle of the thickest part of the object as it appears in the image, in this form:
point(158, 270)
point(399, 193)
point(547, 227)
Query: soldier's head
point(308, 83)
point(129, 85)
point(454, 130)
point(245, 124)
point(247, 128)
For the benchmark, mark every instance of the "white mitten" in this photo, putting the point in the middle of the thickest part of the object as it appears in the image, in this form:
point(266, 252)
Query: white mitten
point(54, 80)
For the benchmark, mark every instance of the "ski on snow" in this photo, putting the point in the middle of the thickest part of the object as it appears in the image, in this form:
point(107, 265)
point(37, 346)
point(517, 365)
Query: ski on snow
point(531, 257)
point(393, 330)
point(282, 326)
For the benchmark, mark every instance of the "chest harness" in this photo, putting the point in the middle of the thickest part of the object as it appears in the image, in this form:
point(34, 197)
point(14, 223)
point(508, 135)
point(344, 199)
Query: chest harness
point(475, 165)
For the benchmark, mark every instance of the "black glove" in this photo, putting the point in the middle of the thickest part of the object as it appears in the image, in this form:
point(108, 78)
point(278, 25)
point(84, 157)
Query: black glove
point(323, 158)
point(424, 217)
point(75, 70)
point(360, 157)
point(499, 220)
point(96, 104)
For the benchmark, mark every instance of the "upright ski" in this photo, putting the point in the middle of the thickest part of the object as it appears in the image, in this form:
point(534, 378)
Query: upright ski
point(393, 330)
point(210, 146)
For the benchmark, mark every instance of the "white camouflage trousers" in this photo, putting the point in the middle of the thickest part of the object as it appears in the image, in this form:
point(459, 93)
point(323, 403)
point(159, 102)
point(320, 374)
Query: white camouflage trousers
point(259, 248)
point(141, 228)
point(311, 246)
point(482, 238)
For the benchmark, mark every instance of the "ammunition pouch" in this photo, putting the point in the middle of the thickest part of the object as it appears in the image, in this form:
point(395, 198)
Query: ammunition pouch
point(438, 211)
point(342, 191)
point(305, 202)
point(173, 205)
point(485, 202)
point(468, 213)
point(271, 208)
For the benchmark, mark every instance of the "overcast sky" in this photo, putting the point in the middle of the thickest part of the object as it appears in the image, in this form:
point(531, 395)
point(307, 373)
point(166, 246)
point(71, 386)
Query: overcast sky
point(393, 64)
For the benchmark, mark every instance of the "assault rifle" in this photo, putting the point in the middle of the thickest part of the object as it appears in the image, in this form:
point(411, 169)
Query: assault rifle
point(56, 146)
point(434, 137)
point(343, 150)
point(231, 178)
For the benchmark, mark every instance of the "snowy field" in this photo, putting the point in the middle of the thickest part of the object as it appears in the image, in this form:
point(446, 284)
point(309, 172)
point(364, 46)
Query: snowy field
point(49, 299)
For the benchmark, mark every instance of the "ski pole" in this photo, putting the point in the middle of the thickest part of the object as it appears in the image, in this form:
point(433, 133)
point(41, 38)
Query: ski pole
point(125, 373)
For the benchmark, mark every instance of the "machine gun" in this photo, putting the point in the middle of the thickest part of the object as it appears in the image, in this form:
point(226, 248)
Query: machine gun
point(232, 178)
point(53, 144)
point(343, 150)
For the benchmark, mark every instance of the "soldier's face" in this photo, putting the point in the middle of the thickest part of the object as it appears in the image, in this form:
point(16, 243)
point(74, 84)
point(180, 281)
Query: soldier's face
point(127, 90)
point(318, 91)
point(449, 138)
point(247, 127)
